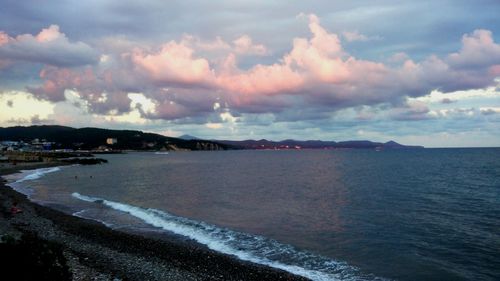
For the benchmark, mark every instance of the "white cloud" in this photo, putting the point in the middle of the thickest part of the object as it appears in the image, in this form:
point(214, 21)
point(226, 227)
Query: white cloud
point(213, 125)
point(50, 46)
point(24, 107)
point(437, 96)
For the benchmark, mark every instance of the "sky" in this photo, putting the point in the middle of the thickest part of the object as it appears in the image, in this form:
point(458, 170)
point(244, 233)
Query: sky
point(417, 72)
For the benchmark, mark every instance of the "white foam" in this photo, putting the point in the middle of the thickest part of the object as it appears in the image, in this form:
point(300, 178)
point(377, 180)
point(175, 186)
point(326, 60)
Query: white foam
point(246, 247)
point(28, 175)
point(81, 214)
point(36, 174)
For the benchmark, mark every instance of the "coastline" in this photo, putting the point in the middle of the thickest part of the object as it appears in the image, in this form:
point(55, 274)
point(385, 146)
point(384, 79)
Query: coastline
point(96, 252)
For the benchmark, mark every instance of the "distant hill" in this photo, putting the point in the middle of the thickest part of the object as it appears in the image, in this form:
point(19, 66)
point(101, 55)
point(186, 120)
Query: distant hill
point(313, 144)
point(188, 137)
point(91, 138)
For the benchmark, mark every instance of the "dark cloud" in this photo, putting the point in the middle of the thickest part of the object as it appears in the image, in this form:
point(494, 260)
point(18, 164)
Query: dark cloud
point(157, 21)
point(490, 111)
point(18, 121)
point(411, 112)
point(33, 120)
point(447, 101)
point(36, 120)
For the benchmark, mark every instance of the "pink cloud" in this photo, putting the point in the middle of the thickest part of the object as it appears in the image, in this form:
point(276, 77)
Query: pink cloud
point(319, 59)
point(49, 34)
point(262, 80)
point(185, 78)
point(327, 43)
point(98, 89)
point(478, 49)
point(174, 63)
point(494, 70)
point(56, 81)
point(4, 38)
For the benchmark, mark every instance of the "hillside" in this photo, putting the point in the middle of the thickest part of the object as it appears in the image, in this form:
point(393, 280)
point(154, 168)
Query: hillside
point(314, 144)
point(91, 138)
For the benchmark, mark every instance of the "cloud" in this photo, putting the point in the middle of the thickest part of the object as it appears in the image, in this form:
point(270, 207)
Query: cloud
point(447, 101)
point(184, 79)
point(245, 45)
point(490, 110)
point(17, 121)
point(36, 120)
point(399, 57)
point(352, 36)
point(33, 120)
point(265, 68)
point(174, 64)
point(478, 50)
point(4, 63)
point(50, 46)
point(259, 80)
point(412, 111)
point(95, 86)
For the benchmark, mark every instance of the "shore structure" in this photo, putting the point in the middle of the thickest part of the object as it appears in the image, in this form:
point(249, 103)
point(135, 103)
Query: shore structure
point(92, 251)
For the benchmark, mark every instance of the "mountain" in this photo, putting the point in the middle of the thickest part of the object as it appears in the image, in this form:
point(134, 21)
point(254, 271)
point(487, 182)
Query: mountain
point(91, 138)
point(285, 144)
point(313, 144)
point(188, 137)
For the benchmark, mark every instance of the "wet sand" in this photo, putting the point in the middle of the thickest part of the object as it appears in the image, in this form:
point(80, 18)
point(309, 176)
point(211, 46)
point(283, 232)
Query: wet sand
point(95, 252)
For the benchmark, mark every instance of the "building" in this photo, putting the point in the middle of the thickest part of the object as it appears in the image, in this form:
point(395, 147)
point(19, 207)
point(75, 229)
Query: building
point(111, 141)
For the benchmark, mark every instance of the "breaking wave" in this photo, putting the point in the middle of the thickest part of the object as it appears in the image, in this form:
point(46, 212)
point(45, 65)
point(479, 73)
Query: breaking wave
point(253, 248)
point(36, 174)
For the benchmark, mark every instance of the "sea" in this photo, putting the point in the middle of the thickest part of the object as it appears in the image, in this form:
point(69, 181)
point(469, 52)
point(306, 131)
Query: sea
point(415, 214)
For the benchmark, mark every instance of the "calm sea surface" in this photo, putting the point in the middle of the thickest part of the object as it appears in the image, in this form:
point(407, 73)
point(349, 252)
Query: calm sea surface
point(430, 214)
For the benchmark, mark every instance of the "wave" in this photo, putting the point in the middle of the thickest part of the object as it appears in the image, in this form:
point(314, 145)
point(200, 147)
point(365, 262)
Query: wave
point(28, 175)
point(246, 247)
point(81, 214)
point(36, 174)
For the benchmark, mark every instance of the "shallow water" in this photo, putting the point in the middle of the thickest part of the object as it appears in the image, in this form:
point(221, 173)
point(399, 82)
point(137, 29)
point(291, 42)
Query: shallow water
point(430, 214)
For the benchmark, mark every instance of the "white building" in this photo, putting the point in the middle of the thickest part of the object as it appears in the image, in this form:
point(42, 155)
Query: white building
point(111, 141)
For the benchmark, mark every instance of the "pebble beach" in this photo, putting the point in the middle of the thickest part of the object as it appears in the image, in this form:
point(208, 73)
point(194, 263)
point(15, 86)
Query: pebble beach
point(94, 252)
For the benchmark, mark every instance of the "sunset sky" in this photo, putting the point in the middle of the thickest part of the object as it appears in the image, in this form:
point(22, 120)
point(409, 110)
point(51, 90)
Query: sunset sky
point(418, 72)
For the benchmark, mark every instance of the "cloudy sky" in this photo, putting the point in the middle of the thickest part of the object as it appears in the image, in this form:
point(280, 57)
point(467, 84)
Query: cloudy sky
point(418, 72)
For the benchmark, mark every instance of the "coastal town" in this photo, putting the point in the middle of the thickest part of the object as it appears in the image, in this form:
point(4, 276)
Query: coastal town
point(43, 151)
point(53, 138)
point(37, 145)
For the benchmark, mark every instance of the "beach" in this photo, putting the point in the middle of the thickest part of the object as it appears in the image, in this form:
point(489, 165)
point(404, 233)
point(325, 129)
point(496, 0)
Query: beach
point(96, 252)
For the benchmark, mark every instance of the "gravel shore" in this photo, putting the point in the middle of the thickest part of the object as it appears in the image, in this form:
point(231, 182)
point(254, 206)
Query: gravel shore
point(95, 252)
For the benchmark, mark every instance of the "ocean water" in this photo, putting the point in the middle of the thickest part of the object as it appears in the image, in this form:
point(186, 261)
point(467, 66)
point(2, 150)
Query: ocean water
point(429, 214)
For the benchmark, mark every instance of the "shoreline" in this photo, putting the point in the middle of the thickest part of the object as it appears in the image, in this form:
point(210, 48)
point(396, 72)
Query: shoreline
point(96, 252)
